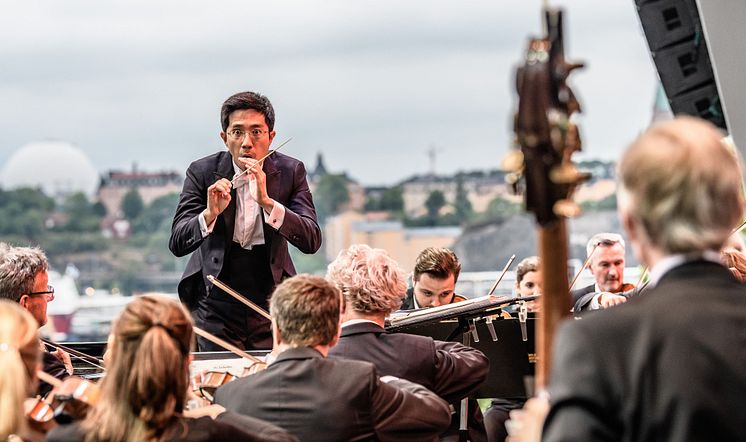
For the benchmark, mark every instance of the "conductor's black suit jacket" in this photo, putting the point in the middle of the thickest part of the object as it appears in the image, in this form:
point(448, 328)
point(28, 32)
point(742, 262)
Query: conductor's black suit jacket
point(669, 365)
point(286, 184)
point(321, 399)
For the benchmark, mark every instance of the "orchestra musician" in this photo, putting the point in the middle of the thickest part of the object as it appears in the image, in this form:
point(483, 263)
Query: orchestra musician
point(668, 365)
point(605, 253)
point(434, 279)
point(239, 232)
point(145, 388)
point(322, 399)
point(527, 283)
point(24, 279)
point(19, 361)
point(372, 284)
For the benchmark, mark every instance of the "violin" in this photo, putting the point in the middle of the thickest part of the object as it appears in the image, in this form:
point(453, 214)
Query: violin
point(203, 385)
point(69, 400)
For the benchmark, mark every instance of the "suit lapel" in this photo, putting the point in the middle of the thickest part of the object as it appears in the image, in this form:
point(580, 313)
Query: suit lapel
point(225, 170)
point(272, 172)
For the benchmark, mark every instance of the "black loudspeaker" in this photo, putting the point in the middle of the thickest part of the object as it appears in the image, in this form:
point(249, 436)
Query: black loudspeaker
point(677, 43)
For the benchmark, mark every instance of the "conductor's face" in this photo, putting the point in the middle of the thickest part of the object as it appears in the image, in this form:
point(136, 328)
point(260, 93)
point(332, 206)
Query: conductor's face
point(247, 135)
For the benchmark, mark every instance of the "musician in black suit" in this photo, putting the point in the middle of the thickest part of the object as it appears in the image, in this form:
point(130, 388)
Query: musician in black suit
point(434, 279)
point(668, 365)
point(372, 284)
point(240, 232)
point(606, 263)
point(316, 398)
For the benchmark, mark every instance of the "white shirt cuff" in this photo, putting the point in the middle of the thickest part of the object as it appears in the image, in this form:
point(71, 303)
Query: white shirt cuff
point(277, 216)
point(594, 302)
point(203, 227)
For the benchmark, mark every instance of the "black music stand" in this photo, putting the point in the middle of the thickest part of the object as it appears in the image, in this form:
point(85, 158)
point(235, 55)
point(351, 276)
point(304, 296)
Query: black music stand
point(512, 360)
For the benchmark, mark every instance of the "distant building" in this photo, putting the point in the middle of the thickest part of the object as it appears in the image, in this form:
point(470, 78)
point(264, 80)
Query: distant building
point(58, 168)
point(150, 185)
point(483, 187)
point(480, 188)
point(354, 189)
point(402, 243)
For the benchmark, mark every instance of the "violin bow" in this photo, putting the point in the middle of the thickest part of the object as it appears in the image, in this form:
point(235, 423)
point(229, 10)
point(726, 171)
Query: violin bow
point(500, 278)
point(585, 264)
point(48, 378)
point(75, 353)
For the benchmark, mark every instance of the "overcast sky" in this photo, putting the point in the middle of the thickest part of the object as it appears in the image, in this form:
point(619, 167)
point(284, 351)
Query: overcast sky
point(370, 84)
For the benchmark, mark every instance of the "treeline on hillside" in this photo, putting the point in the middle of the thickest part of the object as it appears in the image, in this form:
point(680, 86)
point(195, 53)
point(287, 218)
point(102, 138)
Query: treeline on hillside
point(73, 227)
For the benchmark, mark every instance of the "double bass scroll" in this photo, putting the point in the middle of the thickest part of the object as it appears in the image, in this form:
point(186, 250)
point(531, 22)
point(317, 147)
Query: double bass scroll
point(547, 137)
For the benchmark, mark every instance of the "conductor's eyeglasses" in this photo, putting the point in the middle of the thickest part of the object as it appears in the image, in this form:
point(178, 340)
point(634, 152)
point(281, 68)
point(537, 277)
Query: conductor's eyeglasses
point(240, 134)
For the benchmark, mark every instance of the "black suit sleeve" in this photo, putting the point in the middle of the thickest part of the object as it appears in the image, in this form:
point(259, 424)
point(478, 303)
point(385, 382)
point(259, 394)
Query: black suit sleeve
point(53, 366)
point(583, 303)
point(405, 411)
point(186, 236)
point(260, 430)
point(300, 227)
point(578, 388)
point(459, 370)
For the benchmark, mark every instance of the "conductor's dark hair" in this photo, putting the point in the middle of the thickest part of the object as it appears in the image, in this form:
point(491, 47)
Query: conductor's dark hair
point(247, 100)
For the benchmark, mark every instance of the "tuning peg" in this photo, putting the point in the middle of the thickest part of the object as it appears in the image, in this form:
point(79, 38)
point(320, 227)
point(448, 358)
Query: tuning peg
point(512, 178)
point(566, 208)
point(513, 162)
point(567, 173)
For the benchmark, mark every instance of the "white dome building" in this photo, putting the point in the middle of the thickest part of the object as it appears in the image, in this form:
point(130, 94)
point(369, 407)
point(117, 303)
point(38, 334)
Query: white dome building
point(57, 167)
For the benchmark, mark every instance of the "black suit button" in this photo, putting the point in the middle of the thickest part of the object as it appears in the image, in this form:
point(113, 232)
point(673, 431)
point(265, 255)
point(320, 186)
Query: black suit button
point(215, 260)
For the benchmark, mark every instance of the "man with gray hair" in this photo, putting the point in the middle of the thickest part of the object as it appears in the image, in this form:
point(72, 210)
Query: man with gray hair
point(606, 262)
point(24, 279)
point(669, 365)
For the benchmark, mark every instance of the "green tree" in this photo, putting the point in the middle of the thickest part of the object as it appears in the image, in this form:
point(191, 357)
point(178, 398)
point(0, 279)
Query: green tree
point(28, 198)
point(81, 216)
point(608, 203)
point(434, 202)
point(330, 195)
point(462, 205)
point(160, 211)
point(392, 199)
point(99, 209)
point(132, 204)
point(502, 207)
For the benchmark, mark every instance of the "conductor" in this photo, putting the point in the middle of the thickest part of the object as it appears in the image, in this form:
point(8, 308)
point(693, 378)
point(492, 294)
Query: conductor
point(239, 231)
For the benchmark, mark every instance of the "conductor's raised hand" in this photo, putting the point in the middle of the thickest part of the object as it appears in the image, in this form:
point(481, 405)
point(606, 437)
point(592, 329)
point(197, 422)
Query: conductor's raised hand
point(218, 198)
point(259, 192)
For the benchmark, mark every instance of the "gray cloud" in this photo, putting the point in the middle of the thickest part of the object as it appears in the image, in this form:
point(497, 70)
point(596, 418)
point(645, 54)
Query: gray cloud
point(372, 85)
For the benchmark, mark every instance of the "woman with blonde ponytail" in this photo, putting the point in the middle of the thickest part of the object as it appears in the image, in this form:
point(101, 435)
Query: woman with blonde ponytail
point(19, 360)
point(146, 383)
